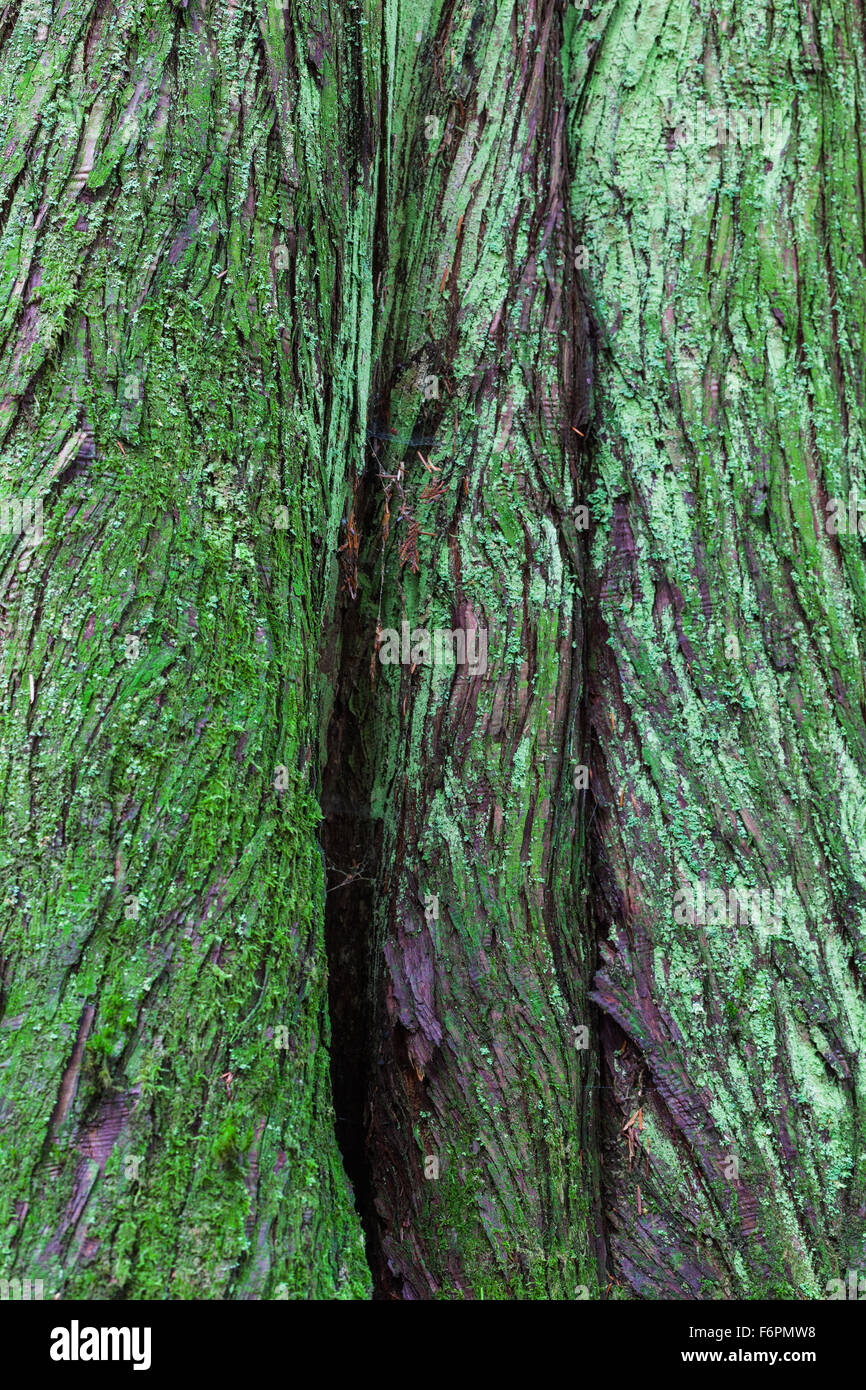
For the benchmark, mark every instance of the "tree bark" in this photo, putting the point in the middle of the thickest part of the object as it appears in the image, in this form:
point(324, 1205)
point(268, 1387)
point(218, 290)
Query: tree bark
point(187, 208)
point(329, 323)
point(726, 709)
point(479, 1153)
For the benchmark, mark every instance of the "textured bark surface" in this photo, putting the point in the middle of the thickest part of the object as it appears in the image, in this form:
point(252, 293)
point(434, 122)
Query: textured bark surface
point(474, 1006)
point(186, 204)
point(727, 284)
point(321, 320)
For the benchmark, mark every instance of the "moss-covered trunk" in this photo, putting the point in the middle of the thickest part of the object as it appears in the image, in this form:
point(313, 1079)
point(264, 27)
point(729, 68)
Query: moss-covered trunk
point(187, 212)
point(471, 938)
point(725, 679)
point(419, 435)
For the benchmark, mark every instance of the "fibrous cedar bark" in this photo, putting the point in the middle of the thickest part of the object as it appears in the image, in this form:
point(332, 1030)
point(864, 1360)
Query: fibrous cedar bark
point(287, 290)
point(459, 900)
point(187, 198)
point(725, 675)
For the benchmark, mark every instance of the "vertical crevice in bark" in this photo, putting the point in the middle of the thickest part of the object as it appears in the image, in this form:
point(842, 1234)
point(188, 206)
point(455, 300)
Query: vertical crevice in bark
point(352, 842)
point(348, 840)
point(470, 950)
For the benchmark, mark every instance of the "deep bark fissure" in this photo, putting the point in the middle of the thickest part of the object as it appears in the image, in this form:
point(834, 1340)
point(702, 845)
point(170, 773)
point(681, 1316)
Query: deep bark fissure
point(391, 983)
point(351, 842)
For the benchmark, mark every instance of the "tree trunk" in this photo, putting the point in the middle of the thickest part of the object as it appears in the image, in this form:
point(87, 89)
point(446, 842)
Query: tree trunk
point(187, 208)
point(328, 331)
point(477, 1155)
point(725, 685)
